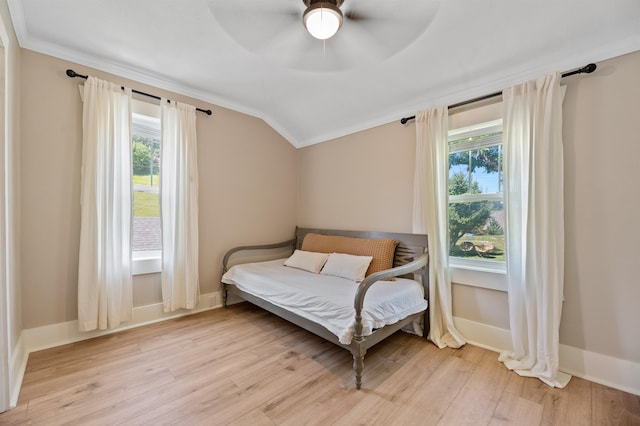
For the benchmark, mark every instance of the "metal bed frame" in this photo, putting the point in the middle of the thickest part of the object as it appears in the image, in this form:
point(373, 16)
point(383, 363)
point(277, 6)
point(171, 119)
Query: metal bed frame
point(410, 260)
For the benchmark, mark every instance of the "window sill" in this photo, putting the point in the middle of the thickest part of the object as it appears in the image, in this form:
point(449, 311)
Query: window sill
point(483, 274)
point(146, 262)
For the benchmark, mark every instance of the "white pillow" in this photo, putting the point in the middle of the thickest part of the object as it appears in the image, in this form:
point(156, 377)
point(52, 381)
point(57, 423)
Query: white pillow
point(347, 266)
point(307, 260)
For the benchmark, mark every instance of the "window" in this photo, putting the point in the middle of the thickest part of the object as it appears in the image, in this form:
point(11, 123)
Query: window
point(146, 243)
point(476, 201)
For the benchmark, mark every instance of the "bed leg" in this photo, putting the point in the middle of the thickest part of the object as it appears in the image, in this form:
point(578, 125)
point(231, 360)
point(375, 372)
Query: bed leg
point(426, 324)
point(223, 293)
point(358, 365)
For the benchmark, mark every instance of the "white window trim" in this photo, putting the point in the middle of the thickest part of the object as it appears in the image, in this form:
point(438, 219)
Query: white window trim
point(476, 129)
point(146, 262)
point(487, 274)
point(479, 273)
point(147, 118)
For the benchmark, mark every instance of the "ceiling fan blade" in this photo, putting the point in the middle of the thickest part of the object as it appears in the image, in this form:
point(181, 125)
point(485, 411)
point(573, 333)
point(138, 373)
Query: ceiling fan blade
point(254, 24)
point(387, 27)
point(261, 7)
point(354, 15)
point(388, 10)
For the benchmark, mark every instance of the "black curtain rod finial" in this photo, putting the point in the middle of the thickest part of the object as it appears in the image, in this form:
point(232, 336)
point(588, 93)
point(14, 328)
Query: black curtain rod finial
point(72, 74)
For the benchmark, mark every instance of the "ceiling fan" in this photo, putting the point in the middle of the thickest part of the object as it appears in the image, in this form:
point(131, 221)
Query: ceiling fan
point(357, 32)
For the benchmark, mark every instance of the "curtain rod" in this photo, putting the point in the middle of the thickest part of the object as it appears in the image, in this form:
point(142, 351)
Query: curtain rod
point(72, 74)
point(587, 69)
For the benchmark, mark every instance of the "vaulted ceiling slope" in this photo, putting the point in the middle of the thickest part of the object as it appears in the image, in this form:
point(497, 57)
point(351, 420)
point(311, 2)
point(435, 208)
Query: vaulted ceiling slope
point(389, 59)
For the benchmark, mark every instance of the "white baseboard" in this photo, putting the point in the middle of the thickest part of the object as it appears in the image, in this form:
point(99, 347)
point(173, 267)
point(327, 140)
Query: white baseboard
point(603, 369)
point(49, 336)
point(495, 339)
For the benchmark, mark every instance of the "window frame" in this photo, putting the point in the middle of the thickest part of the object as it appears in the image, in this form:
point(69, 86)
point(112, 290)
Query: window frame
point(144, 118)
point(483, 273)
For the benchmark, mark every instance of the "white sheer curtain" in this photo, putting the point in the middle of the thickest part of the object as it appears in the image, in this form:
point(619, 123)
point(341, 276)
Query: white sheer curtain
point(104, 272)
point(430, 216)
point(532, 139)
point(179, 206)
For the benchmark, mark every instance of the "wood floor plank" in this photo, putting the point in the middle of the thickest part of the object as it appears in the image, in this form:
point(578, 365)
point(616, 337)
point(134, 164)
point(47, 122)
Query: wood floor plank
point(528, 388)
point(254, 417)
point(93, 409)
point(327, 409)
point(476, 403)
point(440, 389)
point(214, 393)
point(398, 380)
point(89, 348)
point(128, 405)
point(299, 396)
point(515, 410)
point(86, 370)
point(571, 405)
point(369, 410)
point(246, 400)
point(612, 407)
point(72, 362)
point(76, 394)
point(470, 407)
point(15, 416)
point(242, 365)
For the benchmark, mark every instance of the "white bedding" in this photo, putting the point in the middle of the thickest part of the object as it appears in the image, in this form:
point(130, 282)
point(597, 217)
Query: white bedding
point(328, 300)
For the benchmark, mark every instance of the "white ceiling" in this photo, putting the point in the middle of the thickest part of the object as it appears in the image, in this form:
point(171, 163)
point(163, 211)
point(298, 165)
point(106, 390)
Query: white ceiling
point(255, 56)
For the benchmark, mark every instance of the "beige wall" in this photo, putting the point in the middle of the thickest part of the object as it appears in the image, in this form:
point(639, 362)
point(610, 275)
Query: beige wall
point(602, 205)
point(364, 181)
point(247, 188)
point(360, 182)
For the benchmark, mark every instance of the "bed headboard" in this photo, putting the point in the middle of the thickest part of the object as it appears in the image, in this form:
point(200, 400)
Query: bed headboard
point(410, 246)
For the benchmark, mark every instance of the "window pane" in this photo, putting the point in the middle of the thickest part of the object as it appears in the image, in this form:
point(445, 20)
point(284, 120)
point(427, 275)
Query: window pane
point(477, 171)
point(146, 193)
point(476, 230)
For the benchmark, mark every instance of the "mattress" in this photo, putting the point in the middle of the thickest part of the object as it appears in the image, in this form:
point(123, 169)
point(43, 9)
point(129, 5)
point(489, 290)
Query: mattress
point(328, 300)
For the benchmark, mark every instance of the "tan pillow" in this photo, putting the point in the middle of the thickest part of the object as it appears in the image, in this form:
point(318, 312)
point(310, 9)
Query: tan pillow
point(382, 250)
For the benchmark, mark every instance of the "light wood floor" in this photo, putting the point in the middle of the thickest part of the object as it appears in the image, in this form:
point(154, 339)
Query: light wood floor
point(243, 366)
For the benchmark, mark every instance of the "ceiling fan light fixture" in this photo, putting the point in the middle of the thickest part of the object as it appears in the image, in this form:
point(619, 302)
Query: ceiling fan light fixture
point(322, 19)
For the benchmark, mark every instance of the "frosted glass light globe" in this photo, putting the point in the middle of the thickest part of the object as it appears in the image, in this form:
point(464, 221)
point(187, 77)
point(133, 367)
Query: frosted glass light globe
point(323, 20)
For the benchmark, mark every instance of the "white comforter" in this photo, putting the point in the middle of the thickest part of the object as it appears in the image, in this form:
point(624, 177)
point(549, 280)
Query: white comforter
point(328, 300)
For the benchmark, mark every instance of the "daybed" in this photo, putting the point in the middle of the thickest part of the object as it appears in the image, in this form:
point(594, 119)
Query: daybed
point(354, 322)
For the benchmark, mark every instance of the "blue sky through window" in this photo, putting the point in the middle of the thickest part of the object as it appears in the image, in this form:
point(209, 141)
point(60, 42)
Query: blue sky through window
point(489, 182)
